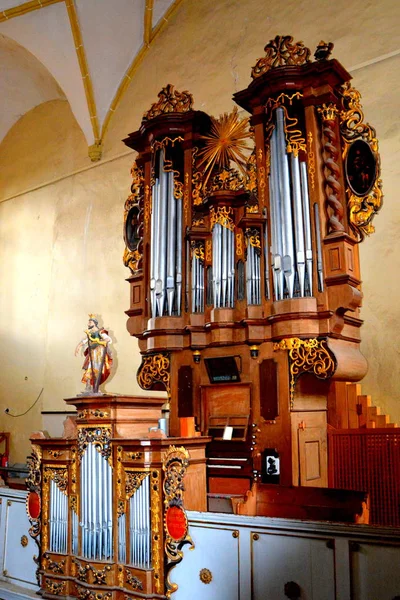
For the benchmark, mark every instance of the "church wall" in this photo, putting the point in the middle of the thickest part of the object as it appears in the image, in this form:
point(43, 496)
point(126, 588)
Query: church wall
point(61, 244)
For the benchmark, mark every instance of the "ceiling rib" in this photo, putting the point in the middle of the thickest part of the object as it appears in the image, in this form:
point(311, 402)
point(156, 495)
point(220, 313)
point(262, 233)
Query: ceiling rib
point(95, 149)
point(148, 22)
point(137, 60)
point(22, 9)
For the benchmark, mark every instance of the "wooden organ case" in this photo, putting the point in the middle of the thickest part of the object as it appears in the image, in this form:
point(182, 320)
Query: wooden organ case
point(242, 242)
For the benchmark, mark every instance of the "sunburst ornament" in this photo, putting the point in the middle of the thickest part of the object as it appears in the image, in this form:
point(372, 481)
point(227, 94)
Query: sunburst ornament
point(225, 143)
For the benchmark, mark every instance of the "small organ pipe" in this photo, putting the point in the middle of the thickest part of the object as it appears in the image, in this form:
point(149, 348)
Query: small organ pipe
point(178, 255)
point(266, 263)
point(307, 223)
point(276, 218)
point(298, 221)
point(162, 236)
point(285, 201)
point(171, 244)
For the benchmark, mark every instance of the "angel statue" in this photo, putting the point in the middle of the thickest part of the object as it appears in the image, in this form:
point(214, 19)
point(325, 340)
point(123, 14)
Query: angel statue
point(98, 358)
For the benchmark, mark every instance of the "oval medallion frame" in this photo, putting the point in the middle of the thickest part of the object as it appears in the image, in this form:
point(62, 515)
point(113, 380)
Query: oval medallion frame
point(361, 168)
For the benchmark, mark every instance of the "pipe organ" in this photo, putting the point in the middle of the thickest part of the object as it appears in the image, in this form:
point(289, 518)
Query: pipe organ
point(243, 257)
point(106, 503)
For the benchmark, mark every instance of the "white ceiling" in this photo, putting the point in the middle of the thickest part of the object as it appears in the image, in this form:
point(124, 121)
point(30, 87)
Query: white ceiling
point(42, 59)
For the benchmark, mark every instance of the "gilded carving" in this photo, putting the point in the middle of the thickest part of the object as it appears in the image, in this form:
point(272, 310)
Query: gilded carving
point(362, 207)
point(198, 250)
point(239, 244)
point(119, 475)
point(55, 567)
point(73, 470)
point(147, 206)
point(33, 483)
point(253, 238)
point(155, 368)
point(197, 180)
point(57, 588)
point(59, 474)
point(135, 455)
point(281, 52)
point(170, 101)
point(133, 235)
point(307, 356)
point(87, 594)
point(311, 161)
point(223, 215)
point(205, 576)
point(133, 481)
point(55, 453)
point(198, 222)
point(100, 575)
point(175, 463)
point(208, 251)
point(156, 529)
point(99, 436)
point(226, 143)
point(82, 570)
point(133, 581)
point(24, 541)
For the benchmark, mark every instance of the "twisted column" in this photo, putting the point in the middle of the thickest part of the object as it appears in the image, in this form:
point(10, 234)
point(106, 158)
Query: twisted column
point(332, 169)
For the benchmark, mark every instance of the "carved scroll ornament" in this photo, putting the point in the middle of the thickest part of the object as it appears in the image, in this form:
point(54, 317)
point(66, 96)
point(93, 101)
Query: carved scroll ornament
point(281, 52)
point(364, 200)
point(170, 101)
point(307, 356)
point(154, 369)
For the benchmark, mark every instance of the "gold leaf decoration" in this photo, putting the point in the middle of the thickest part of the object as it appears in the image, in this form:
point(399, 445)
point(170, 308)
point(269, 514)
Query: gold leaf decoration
point(281, 52)
point(226, 142)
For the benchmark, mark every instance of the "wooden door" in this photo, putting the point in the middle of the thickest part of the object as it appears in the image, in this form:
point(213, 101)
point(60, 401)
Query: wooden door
point(309, 451)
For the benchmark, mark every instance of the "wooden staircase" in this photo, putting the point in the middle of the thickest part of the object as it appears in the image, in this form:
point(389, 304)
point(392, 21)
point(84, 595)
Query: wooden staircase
point(348, 408)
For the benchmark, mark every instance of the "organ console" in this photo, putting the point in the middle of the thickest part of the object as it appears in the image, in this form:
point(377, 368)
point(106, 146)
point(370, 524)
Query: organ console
point(245, 252)
point(241, 240)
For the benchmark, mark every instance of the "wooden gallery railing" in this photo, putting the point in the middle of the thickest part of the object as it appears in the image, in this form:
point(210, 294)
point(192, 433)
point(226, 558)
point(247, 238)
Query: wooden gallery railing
point(368, 460)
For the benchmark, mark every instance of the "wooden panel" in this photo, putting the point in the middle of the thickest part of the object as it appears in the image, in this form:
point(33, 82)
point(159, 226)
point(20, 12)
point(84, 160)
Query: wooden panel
point(219, 400)
point(269, 407)
point(278, 559)
point(353, 391)
point(195, 496)
point(185, 391)
point(309, 449)
point(338, 415)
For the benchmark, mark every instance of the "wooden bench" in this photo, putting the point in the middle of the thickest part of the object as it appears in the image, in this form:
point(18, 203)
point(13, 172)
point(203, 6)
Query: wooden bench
point(307, 503)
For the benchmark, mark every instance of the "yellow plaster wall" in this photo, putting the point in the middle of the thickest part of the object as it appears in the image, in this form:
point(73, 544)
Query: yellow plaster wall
point(61, 244)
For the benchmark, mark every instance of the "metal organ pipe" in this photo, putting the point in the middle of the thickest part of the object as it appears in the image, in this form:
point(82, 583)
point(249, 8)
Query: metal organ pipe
point(166, 243)
point(291, 244)
point(307, 223)
point(140, 526)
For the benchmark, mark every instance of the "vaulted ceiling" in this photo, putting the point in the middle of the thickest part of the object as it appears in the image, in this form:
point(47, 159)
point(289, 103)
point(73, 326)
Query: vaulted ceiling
point(84, 51)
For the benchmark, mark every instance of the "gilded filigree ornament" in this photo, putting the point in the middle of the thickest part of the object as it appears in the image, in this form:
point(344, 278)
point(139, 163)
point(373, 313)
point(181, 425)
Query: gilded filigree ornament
point(223, 215)
point(133, 581)
point(59, 475)
point(82, 570)
point(133, 228)
point(253, 238)
point(135, 455)
point(33, 483)
point(197, 248)
point(120, 475)
point(133, 481)
point(239, 244)
point(250, 182)
point(197, 180)
point(99, 436)
point(57, 588)
point(57, 568)
point(205, 576)
point(99, 414)
point(154, 369)
point(307, 356)
point(261, 176)
point(74, 450)
point(34, 478)
point(333, 187)
point(362, 164)
point(55, 453)
point(156, 536)
point(24, 541)
point(198, 222)
point(100, 575)
point(311, 160)
point(170, 101)
point(281, 52)
point(226, 143)
point(324, 50)
point(87, 594)
point(186, 198)
point(208, 251)
point(73, 503)
point(226, 180)
point(175, 463)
